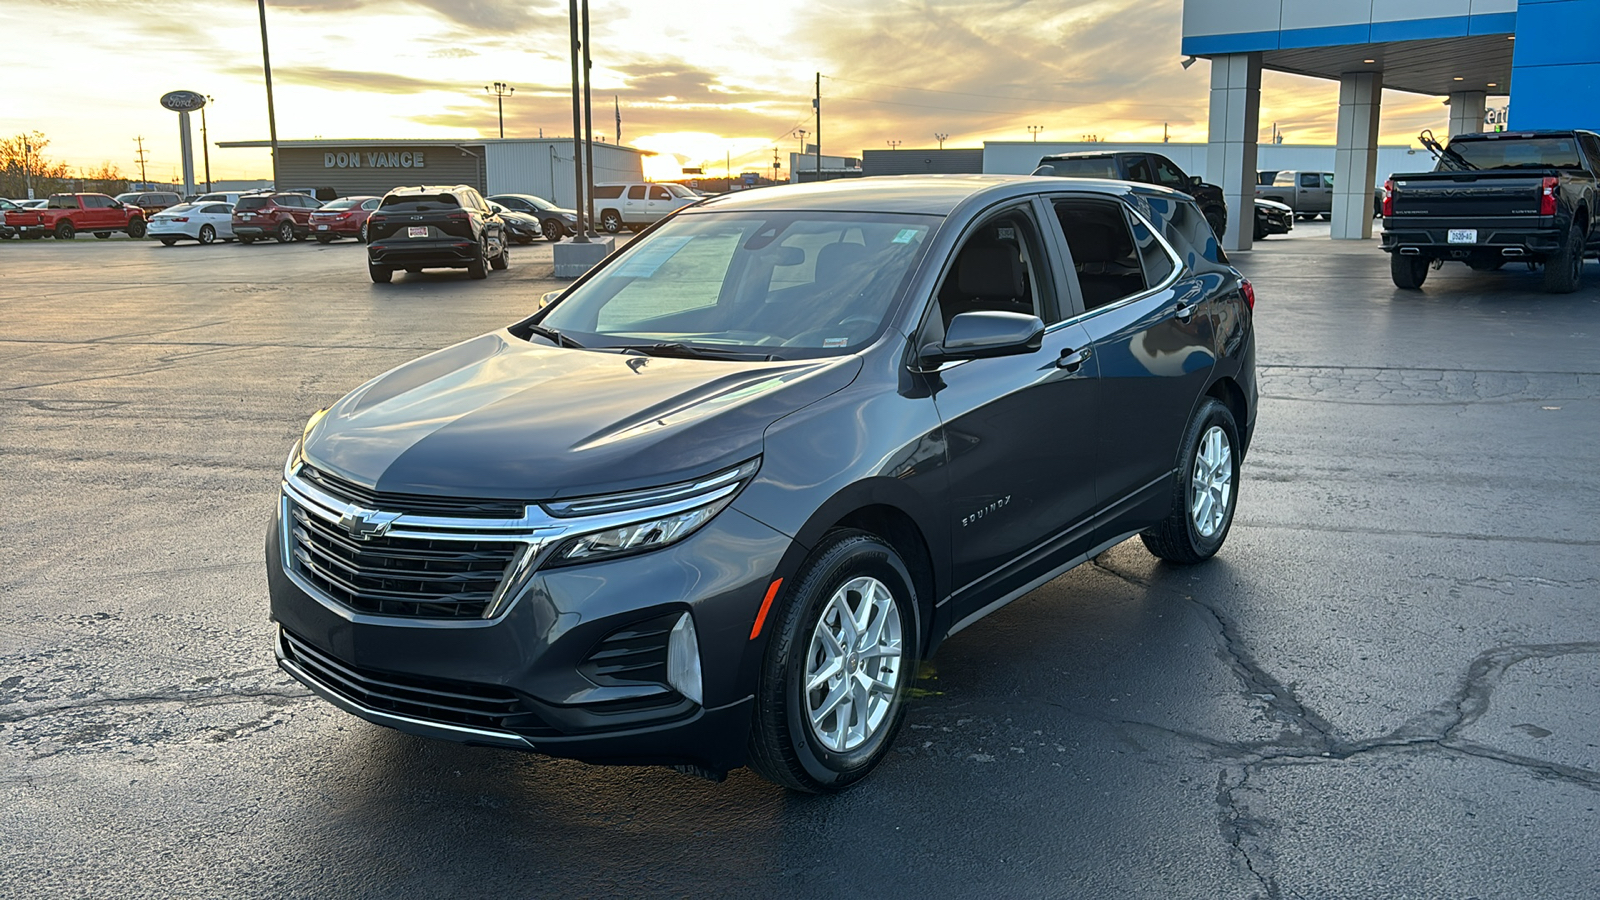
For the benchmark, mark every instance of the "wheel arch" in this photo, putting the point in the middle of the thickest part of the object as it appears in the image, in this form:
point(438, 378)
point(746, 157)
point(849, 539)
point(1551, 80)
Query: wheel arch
point(1226, 390)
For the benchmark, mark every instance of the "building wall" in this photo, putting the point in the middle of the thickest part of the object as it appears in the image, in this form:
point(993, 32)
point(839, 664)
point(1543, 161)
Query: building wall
point(1022, 157)
point(378, 168)
point(544, 167)
point(1236, 26)
point(1555, 67)
point(955, 161)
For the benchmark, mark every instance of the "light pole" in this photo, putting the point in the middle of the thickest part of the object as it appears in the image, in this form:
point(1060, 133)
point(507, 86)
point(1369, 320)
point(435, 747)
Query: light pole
point(27, 165)
point(894, 145)
point(1034, 130)
point(941, 138)
point(205, 144)
point(580, 233)
point(266, 68)
point(501, 90)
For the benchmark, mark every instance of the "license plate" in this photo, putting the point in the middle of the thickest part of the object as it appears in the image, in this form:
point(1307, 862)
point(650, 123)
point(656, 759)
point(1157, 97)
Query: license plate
point(416, 231)
point(322, 228)
point(1463, 236)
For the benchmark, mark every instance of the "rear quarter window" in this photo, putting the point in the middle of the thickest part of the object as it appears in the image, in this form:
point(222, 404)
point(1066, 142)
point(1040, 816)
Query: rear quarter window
point(1181, 223)
point(607, 192)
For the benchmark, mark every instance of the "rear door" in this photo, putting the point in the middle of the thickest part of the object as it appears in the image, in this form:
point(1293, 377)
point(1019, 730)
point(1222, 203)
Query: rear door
point(1315, 195)
point(1151, 333)
point(636, 204)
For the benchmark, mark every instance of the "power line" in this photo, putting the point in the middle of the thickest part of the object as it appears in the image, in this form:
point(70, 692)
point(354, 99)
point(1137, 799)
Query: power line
point(998, 112)
point(1051, 100)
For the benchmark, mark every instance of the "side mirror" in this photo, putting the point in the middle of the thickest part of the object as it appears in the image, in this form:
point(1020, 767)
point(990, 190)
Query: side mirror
point(984, 334)
point(546, 298)
point(1194, 180)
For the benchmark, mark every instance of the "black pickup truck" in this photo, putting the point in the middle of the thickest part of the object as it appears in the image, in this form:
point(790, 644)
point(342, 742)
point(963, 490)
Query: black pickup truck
point(1526, 196)
point(1153, 168)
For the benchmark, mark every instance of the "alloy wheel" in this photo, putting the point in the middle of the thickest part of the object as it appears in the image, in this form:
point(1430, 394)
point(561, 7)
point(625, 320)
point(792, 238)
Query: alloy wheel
point(853, 665)
point(1211, 488)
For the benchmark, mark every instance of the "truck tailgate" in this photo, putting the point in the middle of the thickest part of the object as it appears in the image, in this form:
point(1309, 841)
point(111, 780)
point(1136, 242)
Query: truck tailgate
point(1468, 195)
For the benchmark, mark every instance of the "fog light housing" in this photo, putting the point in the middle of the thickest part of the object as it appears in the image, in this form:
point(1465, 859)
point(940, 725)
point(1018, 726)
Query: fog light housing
point(683, 660)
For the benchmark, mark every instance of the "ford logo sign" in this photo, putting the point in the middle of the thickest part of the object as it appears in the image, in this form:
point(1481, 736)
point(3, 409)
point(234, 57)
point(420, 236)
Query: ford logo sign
point(183, 101)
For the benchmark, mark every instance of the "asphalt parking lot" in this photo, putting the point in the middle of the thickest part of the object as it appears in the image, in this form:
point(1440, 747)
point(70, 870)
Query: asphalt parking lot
point(1386, 685)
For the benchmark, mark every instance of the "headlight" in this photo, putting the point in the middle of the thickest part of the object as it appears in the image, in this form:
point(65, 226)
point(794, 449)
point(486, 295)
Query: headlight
point(295, 452)
point(570, 218)
point(666, 515)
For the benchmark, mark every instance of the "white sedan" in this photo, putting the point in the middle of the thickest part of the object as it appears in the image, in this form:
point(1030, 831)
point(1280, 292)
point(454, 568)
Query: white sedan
point(203, 222)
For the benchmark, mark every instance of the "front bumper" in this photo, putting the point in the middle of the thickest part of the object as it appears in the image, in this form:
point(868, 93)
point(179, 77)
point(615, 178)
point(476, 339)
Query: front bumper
point(530, 659)
point(454, 253)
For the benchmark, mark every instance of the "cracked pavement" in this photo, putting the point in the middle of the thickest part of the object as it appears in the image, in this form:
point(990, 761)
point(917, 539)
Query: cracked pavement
point(1386, 685)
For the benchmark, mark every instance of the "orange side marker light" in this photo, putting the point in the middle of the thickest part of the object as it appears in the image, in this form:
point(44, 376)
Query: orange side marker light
point(761, 616)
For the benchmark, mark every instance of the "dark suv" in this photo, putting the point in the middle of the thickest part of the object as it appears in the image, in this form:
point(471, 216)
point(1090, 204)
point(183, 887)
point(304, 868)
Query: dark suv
point(712, 505)
point(433, 227)
point(284, 215)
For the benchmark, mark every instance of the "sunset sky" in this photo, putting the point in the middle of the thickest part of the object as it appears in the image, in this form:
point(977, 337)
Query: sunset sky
point(695, 80)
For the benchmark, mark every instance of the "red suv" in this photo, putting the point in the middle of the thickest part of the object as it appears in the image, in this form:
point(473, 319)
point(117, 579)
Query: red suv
point(285, 216)
point(344, 217)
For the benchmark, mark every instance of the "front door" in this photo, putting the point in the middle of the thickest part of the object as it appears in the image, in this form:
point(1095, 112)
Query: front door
point(1019, 430)
point(1316, 192)
point(1150, 331)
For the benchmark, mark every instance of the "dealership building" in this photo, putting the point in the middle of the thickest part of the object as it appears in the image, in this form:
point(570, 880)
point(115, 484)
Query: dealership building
point(492, 165)
point(1541, 53)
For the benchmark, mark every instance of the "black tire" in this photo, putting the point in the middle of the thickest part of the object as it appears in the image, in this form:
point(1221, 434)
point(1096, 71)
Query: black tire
point(1408, 272)
point(247, 241)
point(1218, 220)
point(6, 235)
point(479, 268)
point(552, 229)
point(414, 270)
point(503, 261)
point(363, 232)
point(136, 229)
point(1180, 538)
point(324, 239)
point(285, 232)
point(208, 234)
point(611, 221)
point(103, 235)
point(380, 274)
point(168, 241)
point(65, 231)
point(1260, 232)
point(784, 747)
point(1563, 270)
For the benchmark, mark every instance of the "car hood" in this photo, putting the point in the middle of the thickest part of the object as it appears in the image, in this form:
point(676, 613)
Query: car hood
point(498, 417)
point(1273, 205)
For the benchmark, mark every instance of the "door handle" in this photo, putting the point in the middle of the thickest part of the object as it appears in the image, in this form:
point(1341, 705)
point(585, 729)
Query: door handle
point(1185, 310)
point(1071, 359)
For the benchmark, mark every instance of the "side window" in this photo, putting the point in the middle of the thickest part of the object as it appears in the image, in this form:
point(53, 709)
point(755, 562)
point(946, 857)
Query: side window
point(636, 192)
point(1167, 174)
point(1153, 257)
point(1000, 267)
point(1591, 148)
point(1139, 170)
point(1284, 179)
point(370, 204)
point(1310, 180)
point(1327, 180)
point(1104, 255)
point(607, 191)
point(659, 193)
point(216, 209)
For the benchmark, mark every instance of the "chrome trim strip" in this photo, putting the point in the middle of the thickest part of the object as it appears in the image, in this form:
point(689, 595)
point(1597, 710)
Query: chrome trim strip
point(1053, 574)
point(407, 724)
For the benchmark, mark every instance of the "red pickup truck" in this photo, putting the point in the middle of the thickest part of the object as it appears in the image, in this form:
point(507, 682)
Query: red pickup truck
point(67, 214)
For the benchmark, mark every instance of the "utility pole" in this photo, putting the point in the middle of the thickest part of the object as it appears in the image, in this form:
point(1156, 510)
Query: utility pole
point(580, 234)
point(1165, 134)
point(941, 137)
point(588, 117)
point(816, 103)
point(266, 68)
point(27, 165)
point(894, 145)
point(501, 90)
point(616, 104)
point(205, 143)
point(143, 181)
point(775, 165)
point(1034, 130)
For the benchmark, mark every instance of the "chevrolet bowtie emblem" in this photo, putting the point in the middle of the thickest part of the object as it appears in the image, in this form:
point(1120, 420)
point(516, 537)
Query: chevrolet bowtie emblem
point(366, 524)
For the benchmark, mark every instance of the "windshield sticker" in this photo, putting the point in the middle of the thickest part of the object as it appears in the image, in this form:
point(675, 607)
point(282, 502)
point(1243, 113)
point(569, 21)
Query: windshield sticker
point(644, 262)
point(835, 342)
point(1007, 234)
point(906, 236)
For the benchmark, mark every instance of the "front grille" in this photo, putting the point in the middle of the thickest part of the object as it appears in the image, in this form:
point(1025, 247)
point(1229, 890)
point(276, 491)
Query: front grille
point(429, 699)
point(633, 655)
point(398, 576)
point(412, 504)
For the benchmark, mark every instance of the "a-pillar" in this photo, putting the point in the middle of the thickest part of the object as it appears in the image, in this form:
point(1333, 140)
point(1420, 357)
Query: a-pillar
point(1355, 157)
point(1235, 128)
point(1466, 112)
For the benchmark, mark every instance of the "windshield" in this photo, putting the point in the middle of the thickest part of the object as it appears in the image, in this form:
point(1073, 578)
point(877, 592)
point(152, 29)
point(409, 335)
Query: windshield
point(786, 284)
point(540, 203)
point(128, 198)
point(1102, 167)
point(1517, 153)
point(678, 190)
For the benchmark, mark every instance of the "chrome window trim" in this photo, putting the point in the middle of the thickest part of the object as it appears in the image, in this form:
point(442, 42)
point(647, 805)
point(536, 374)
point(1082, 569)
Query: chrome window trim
point(1172, 277)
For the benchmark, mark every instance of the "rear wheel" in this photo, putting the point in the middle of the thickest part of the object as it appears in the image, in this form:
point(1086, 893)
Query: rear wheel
point(136, 229)
point(479, 267)
point(168, 241)
point(1206, 490)
point(1563, 270)
point(207, 234)
point(285, 232)
point(65, 232)
point(502, 261)
point(1408, 272)
point(363, 232)
point(830, 695)
point(380, 274)
point(247, 240)
point(611, 221)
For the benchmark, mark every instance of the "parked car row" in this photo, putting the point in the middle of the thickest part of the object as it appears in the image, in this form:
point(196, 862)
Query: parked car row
point(435, 227)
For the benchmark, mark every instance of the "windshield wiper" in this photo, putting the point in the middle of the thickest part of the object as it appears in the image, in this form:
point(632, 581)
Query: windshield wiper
point(560, 339)
point(687, 351)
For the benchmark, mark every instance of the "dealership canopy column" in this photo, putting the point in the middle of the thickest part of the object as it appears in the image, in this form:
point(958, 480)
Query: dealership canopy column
point(1467, 109)
point(1235, 129)
point(1355, 156)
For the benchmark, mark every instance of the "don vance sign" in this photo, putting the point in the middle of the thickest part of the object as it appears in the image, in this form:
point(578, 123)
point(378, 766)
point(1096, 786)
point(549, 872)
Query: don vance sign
point(411, 159)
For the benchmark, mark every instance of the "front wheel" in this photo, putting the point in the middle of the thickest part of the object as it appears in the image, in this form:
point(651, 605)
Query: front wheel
point(208, 234)
point(363, 232)
point(324, 239)
point(1206, 491)
point(1408, 272)
point(831, 691)
point(1218, 220)
point(552, 229)
point(136, 229)
point(479, 267)
point(503, 261)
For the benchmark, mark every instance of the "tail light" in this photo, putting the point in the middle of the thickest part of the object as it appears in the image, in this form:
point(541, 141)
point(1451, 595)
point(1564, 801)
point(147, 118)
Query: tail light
point(376, 219)
point(1249, 292)
point(1547, 196)
point(1388, 197)
point(458, 217)
point(180, 218)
